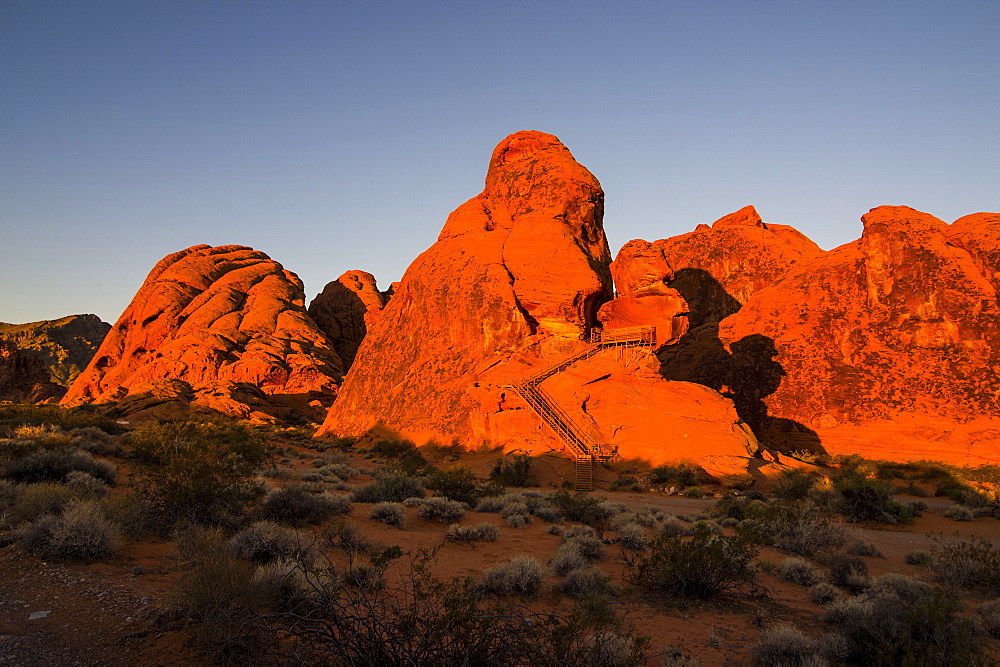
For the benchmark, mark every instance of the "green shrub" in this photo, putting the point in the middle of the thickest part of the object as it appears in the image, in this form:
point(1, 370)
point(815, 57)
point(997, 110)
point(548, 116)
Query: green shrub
point(960, 513)
point(682, 475)
point(199, 471)
point(863, 499)
point(390, 488)
point(793, 485)
point(514, 470)
point(580, 507)
point(12, 416)
point(80, 532)
point(393, 449)
point(693, 492)
point(455, 483)
point(702, 567)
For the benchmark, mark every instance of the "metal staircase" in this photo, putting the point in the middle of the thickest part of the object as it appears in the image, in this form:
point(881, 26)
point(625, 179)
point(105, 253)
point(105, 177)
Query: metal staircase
point(583, 447)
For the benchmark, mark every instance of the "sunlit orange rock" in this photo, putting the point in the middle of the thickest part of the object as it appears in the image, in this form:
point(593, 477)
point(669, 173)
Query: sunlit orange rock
point(888, 346)
point(213, 314)
point(513, 284)
point(346, 309)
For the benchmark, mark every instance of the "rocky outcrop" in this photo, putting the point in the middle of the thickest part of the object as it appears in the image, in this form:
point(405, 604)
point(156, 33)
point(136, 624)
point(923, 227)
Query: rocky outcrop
point(214, 314)
point(65, 345)
point(346, 309)
point(717, 269)
point(20, 370)
point(889, 346)
point(517, 277)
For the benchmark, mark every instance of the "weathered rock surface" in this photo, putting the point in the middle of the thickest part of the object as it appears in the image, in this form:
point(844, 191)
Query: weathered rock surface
point(214, 314)
point(888, 346)
point(717, 269)
point(65, 345)
point(517, 276)
point(20, 370)
point(346, 309)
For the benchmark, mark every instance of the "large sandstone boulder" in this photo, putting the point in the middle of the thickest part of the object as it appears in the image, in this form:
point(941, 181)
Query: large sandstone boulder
point(346, 309)
point(20, 370)
point(888, 346)
point(208, 315)
point(65, 345)
point(513, 284)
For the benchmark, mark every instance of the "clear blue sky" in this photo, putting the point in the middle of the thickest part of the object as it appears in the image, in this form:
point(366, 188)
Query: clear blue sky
point(339, 135)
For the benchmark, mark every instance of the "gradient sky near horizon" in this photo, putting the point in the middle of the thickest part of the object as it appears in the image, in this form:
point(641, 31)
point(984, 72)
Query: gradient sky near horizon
point(339, 135)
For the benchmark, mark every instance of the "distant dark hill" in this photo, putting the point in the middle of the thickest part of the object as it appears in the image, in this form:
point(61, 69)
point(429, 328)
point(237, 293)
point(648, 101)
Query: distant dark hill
point(65, 345)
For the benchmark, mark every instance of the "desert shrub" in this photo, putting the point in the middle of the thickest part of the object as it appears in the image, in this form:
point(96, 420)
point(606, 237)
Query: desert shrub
point(632, 536)
point(712, 526)
point(702, 567)
point(488, 532)
point(798, 571)
point(457, 483)
point(95, 441)
point(441, 510)
point(989, 617)
point(265, 542)
point(413, 502)
point(786, 646)
point(349, 538)
point(693, 492)
point(587, 581)
point(521, 575)
point(310, 476)
point(587, 544)
point(393, 514)
point(566, 558)
point(883, 628)
point(917, 507)
point(672, 526)
point(849, 573)
point(918, 557)
point(579, 507)
point(13, 416)
point(863, 548)
point(299, 505)
point(972, 563)
point(513, 470)
point(37, 500)
point(863, 499)
point(627, 483)
point(53, 465)
point(491, 504)
point(390, 488)
point(392, 448)
point(823, 593)
point(514, 506)
point(518, 520)
point(793, 485)
point(198, 471)
point(682, 475)
point(80, 532)
point(131, 513)
point(798, 528)
point(729, 522)
point(906, 588)
point(340, 470)
point(547, 512)
point(85, 485)
point(734, 506)
point(960, 513)
point(9, 493)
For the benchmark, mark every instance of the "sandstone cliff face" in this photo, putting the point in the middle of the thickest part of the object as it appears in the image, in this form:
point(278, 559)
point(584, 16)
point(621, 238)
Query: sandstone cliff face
point(20, 370)
point(718, 268)
point(346, 309)
point(897, 333)
point(517, 276)
point(65, 345)
point(214, 314)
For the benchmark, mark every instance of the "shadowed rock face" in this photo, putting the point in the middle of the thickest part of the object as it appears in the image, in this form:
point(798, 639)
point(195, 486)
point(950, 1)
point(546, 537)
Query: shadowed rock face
point(65, 345)
point(346, 309)
point(222, 314)
point(20, 370)
point(518, 273)
point(902, 325)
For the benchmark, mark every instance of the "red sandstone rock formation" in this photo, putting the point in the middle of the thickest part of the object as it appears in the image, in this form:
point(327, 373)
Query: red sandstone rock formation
point(204, 315)
point(718, 268)
point(346, 309)
point(890, 345)
point(516, 277)
point(20, 370)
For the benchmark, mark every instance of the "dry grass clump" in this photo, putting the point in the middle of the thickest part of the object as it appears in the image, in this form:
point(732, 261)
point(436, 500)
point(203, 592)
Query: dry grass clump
point(96, 441)
point(579, 548)
point(488, 532)
point(798, 528)
point(485, 532)
point(37, 500)
point(393, 514)
point(798, 571)
point(521, 575)
point(53, 465)
point(787, 646)
point(441, 510)
point(80, 532)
